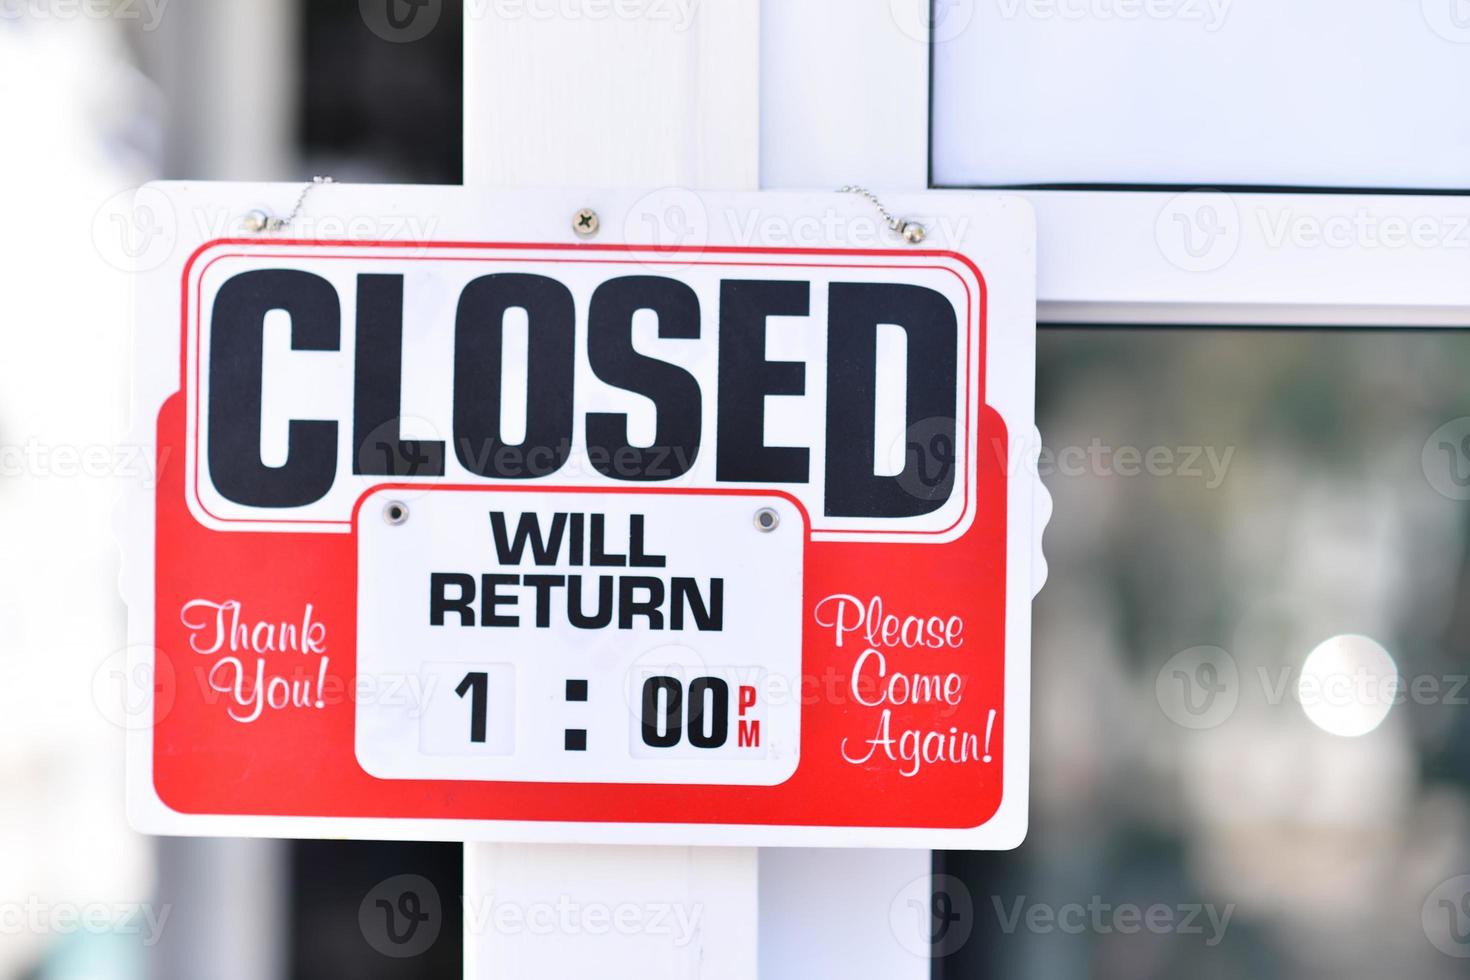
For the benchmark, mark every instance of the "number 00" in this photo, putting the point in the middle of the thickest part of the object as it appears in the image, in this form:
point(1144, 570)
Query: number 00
point(663, 717)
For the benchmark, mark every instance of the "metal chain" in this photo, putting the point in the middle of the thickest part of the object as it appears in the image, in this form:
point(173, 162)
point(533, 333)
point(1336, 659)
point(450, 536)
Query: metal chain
point(258, 221)
point(912, 231)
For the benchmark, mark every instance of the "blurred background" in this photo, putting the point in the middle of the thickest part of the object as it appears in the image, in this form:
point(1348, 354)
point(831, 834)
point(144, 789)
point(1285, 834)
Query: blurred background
point(1250, 681)
point(98, 97)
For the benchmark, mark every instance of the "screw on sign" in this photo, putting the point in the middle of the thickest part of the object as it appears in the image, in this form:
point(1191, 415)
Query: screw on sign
point(670, 540)
point(585, 222)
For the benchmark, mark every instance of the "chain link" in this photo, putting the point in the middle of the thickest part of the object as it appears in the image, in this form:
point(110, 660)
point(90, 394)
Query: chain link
point(912, 231)
point(259, 221)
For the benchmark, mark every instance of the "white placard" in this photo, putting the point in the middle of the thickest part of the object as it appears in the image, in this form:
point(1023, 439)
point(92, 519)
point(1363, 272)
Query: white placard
point(652, 638)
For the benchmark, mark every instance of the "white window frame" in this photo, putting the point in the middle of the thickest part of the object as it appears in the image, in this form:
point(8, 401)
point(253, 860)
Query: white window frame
point(1110, 256)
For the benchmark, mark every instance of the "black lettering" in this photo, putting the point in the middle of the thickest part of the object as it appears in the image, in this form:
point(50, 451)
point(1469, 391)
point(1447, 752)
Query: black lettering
point(543, 584)
point(236, 353)
point(928, 321)
point(685, 591)
point(377, 433)
point(662, 726)
point(598, 620)
point(746, 378)
point(440, 602)
point(491, 600)
point(599, 557)
point(479, 333)
point(528, 529)
point(628, 606)
point(673, 390)
point(636, 556)
point(574, 539)
point(709, 729)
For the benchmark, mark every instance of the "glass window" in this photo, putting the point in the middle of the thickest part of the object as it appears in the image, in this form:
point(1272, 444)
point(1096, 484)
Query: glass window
point(1329, 93)
point(1250, 665)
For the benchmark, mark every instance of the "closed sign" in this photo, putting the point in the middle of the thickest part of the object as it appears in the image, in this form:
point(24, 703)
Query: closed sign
point(536, 537)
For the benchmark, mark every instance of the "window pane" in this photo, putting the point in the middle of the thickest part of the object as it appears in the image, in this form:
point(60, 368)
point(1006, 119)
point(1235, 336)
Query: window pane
point(1332, 93)
point(1226, 503)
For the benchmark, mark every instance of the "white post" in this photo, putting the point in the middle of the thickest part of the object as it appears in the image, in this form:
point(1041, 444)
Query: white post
point(681, 95)
point(558, 98)
point(555, 98)
point(844, 100)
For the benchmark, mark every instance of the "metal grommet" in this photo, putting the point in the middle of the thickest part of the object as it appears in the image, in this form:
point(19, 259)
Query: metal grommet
point(257, 221)
point(395, 512)
point(913, 233)
point(585, 223)
point(767, 519)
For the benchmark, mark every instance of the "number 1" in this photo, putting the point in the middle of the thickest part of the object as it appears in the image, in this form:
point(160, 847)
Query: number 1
point(478, 682)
